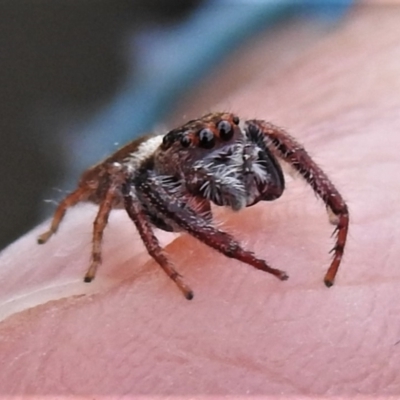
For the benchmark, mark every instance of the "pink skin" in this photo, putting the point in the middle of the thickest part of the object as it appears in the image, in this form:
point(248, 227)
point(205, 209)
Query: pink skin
point(132, 332)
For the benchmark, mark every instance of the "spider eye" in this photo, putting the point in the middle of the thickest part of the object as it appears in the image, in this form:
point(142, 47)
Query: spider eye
point(225, 130)
point(166, 142)
point(236, 120)
point(185, 141)
point(206, 138)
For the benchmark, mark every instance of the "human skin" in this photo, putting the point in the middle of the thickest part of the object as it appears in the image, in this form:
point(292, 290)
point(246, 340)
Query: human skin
point(131, 332)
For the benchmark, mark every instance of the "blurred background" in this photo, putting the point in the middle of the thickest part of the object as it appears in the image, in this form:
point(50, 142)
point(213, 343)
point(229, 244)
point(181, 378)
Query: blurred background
point(79, 79)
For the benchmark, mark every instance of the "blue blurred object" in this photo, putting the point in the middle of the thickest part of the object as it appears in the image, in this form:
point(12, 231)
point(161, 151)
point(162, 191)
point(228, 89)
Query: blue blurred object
point(170, 59)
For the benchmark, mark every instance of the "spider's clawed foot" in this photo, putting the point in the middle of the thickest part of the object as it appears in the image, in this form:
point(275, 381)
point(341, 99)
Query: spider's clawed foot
point(91, 272)
point(188, 294)
point(185, 289)
point(44, 237)
point(329, 278)
point(282, 275)
point(328, 282)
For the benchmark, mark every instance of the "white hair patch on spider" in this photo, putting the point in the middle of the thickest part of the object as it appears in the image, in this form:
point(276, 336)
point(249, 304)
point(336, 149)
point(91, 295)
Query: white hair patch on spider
point(145, 150)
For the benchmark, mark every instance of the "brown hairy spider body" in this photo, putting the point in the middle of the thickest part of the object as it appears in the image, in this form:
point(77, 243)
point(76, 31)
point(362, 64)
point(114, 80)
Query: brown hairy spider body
point(168, 181)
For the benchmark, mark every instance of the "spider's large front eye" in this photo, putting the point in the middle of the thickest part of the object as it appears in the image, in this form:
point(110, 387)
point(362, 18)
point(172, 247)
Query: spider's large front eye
point(225, 130)
point(206, 138)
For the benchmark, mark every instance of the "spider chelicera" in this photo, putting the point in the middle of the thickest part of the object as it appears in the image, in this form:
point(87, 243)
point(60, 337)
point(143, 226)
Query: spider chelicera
point(168, 181)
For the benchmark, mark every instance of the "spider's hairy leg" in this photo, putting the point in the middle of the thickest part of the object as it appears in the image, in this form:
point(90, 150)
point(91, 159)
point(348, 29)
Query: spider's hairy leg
point(284, 147)
point(72, 199)
point(139, 217)
point(98, 229)
point(110, 194)
point(175, 210)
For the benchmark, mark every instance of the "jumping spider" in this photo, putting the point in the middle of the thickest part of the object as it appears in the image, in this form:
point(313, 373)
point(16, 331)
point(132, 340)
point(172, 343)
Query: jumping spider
point(168, 181)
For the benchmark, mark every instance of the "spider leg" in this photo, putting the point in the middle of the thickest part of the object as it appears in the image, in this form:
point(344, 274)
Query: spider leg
point(145, 229)
point(114, 178)
point(285, 148)
point(173, 209)
point(72, 199)
point(99, 224)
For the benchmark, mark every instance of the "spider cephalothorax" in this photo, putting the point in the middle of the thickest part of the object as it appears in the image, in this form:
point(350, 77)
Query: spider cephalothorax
point(219, 161)
point(168, 181)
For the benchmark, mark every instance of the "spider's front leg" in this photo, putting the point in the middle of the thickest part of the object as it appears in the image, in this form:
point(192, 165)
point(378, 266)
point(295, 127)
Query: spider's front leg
point(284, 147)
point(139, 217)
point(178, 212)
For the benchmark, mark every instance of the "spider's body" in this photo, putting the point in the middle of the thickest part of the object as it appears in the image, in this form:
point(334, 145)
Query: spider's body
point(168, 181)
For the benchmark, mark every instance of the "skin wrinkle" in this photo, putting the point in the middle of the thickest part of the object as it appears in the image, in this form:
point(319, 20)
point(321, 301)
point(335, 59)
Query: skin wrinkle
point(303, 338)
